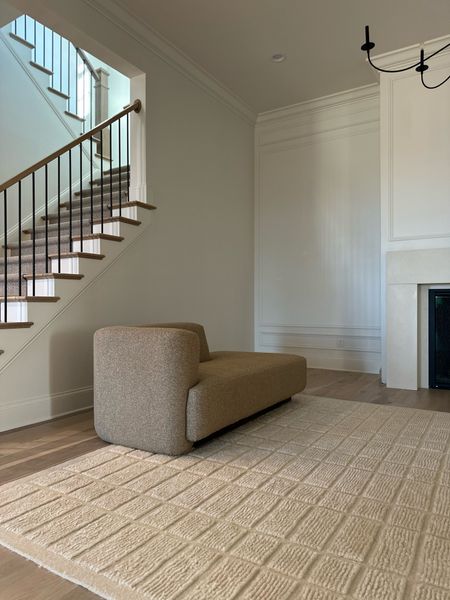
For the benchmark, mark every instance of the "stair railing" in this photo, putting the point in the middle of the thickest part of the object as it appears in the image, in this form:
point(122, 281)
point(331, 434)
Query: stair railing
point(73, 76)
point(67, 163)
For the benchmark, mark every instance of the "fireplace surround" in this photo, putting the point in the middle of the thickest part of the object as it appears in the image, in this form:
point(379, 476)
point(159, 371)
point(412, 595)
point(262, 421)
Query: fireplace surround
point(409, 275)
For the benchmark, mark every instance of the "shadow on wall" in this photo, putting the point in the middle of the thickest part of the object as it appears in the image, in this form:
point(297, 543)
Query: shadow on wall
point(70, 356)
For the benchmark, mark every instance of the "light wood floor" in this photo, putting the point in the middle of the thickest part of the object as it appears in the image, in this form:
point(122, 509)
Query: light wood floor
point(31, 449)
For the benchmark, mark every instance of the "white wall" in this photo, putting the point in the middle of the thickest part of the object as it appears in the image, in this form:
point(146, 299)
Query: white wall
point(27, 131)
point(415, 206)
point(318, 231)
point(195, 262)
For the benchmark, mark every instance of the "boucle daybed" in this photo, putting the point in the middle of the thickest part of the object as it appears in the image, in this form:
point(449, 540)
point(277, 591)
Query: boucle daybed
point(158, 388)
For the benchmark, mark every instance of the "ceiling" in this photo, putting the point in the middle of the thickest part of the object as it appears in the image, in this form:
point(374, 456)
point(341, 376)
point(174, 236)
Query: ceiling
point(235, 39)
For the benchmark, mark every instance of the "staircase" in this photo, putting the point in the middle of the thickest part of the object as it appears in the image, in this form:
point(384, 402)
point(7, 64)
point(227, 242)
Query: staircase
point(62, 70)
point(60, 247)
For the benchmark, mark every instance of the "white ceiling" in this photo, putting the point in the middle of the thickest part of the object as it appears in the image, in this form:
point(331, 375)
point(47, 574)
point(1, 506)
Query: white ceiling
point(235, 39)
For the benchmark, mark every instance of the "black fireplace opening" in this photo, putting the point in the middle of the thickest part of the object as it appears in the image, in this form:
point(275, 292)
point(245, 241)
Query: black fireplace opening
point(439, 338)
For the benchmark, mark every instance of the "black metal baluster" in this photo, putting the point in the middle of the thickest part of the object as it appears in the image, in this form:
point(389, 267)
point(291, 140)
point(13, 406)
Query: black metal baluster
point(81, 197)
point(15, 26)
point(5, 237)
point(128, 156)
point(33, 197)
point(25, 20)
point(53, 59)
point(120, 167)
point(69, 47)
point(92, 182)
point(20, 236)
point(68, 65)
point(101, 176)
point(84, 96)
point(47, 265)
point(34, 40)
point(60, 64)
point(76, 82)
point(59, 214)
point(110, 172)
point(70, 201)
point(43, 44)
point(91, 99)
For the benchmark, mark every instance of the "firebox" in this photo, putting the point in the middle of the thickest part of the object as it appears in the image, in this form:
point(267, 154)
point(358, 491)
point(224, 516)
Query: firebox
point(439, 338)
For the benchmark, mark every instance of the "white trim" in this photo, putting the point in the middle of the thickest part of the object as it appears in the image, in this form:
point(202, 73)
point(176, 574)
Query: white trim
point(344, 98)
point(173, 56)
point(410, 54)
point(43, 408)
point(388, 136)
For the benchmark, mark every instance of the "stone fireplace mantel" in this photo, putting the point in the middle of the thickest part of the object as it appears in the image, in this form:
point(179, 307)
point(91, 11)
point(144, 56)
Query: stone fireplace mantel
point(405, 272)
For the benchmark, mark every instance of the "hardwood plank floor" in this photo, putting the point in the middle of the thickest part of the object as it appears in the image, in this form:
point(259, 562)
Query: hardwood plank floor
point(31, 449)
point(365, 387)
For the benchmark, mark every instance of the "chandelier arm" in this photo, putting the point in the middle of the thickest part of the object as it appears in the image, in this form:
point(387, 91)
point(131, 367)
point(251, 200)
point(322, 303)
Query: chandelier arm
point(393, 70)
point(433, 87)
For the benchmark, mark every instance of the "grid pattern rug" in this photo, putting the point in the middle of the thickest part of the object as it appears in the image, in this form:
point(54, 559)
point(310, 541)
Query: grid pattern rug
point(319, 499)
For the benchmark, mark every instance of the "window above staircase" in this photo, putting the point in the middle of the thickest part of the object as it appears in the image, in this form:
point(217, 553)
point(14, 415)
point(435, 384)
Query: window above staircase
point(91, 90)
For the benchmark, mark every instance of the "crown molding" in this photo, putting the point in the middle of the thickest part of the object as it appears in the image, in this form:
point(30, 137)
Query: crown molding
point(340, 99)
point(173, 56)
point(410, 54)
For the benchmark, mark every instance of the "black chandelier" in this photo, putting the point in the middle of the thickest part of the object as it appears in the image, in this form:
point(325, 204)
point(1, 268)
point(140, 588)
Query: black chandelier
point(420, 66)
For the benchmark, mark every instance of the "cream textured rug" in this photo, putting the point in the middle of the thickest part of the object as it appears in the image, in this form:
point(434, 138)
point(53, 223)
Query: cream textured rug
point(319, 499)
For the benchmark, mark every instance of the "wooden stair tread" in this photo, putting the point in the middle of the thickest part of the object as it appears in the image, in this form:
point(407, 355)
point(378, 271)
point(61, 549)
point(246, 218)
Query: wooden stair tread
point(16, 325)
point(65, 240)
point(118, 220)
point(74, 116)
point(55, 276)
point(19, 39)
point(31, 298)
point(90, 255)
point(99, 236)
point(97, 208)
point(57, 92)
point(140, 204)
point(15, 276)
point(41, 68)
point(65, 224)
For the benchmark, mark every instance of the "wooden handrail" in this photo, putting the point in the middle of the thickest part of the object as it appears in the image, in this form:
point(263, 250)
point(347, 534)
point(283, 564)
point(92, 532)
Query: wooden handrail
point(82, 54)
point(135, 106)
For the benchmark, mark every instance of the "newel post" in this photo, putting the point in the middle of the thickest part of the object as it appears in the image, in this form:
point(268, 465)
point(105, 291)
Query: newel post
point(102, 106)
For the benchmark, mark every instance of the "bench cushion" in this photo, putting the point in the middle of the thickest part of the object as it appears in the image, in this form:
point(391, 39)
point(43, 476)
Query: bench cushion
point(196, 328)
point(235, 385)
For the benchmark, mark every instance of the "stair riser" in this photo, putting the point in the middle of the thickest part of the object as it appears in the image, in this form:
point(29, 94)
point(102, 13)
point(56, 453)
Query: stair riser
point(17, 311)
point(115, 179)
point(65, 216)
point(43, 287)
point(27, 266)
point(63, 265)
point(128, 212)
point(97, 190)
point(53, 231)
point(40, 249)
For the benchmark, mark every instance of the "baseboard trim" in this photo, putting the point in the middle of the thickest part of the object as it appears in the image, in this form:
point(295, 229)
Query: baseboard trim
point(44, 408)
point(334, 359)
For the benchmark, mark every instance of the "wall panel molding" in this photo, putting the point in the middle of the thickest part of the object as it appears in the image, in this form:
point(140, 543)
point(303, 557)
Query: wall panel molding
point(317, 231)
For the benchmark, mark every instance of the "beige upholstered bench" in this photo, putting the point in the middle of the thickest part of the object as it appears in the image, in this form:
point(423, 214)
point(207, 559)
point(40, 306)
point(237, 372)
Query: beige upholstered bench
point(158, 388)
